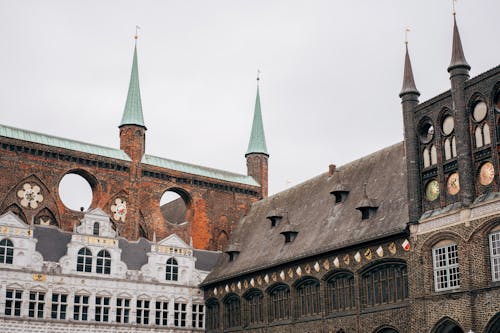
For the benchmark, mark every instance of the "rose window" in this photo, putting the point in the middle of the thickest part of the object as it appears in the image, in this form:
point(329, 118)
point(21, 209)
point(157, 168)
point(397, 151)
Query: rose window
point(119, 210)
point(30, 196)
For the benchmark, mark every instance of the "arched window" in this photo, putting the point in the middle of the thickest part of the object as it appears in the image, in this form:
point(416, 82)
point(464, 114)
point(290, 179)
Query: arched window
point(232, 311)
point(433, 155)
point(486, 134)
point(6, 251)
point(340, 293)
point(426, 157)
point(308, 298)
point(279, 303)
point(478, 133)
point(212, 314)
point(96, 229)
point(172, 270)
point(254, 307)
point(453, 147)
point(445, 264)
point(103, 265)
point(495, 253)
point(447, 149)
point(384, 284)
point(84, 260)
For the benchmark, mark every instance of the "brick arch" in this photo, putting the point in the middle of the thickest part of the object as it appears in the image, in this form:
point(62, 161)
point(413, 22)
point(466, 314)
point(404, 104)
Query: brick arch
point(222, 240)
point(493, 325)
point(380, 262)
point(386, 329)
point(437, 237)
point(14, 208)
point(96, 187)
point(447, 325)
point(484, 228)
point(332, 273)
point(476, 97)
point(44, 216)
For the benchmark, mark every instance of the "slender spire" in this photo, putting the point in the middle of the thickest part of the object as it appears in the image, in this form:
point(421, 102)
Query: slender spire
point(408, 80)
point(457, 52)
point(257, 142)
point(132, 115)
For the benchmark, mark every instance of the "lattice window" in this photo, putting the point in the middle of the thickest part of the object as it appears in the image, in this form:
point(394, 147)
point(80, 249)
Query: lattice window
point(308, 298)
point(122, 310)
point(142, 312)
point(254, 307)
point(81, 307)
point(446, 269)
point(172, 270)
point(495, 255)
point(161, 317)
point(384, 284)
point(95, 230)
point(212, 315)
point(102, 307)
point(59, 306)
point(103, 265)
point(6, 251)
point(340, 295)
point(36, 304)
point(180, 313)
point(279, 303)
point(13, 301)
point(198, 315)
point(84, 260)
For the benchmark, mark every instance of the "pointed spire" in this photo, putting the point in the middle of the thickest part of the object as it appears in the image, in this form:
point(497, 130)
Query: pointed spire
point(457, 52)
point(408, 80)
point(132, 115)
point(257, 142)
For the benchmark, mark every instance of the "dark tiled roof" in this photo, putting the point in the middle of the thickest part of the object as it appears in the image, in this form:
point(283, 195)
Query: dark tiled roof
point(51, 242)
point(321, 224)
point(134, 254)
point(206, 260)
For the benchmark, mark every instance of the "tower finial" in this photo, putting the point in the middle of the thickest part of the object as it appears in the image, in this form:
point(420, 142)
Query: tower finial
point(454, 12)
point(408, 80)
point(457, 51)
point(258, 76)
point(137, 28)
point(407, 30)
point(257, 142)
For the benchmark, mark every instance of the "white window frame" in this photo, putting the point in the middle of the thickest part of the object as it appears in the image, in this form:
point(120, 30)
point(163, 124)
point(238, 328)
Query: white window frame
point(180, 314)
point(198, 315)
point(123, 310)
point(36, 306)
point(15, 301)
point(161, 313)
point(102, 309)
point(7, 257)
point(449, 269)
point(78, 315)
point(494, 240)
point(58, 307)
point(141, 310)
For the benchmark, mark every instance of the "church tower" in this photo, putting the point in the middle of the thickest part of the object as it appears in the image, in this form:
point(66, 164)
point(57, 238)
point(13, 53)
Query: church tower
point(257, 155)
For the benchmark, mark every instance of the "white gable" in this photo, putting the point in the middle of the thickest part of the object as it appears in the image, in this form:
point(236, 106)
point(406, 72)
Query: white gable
point(173, 240)
point(10, 219)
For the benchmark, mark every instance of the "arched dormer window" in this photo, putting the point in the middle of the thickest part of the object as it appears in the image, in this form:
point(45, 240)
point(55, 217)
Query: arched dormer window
point(172, 270)
point(95, 230)
point(103, 265)
point(308, 298)
point(445, 266)
point(84, 260)
point(254, 307)
point(385, 283)
point(339, 292)
point(6, 251)
point(279, 303)
point(213, 321)
point(232, 311)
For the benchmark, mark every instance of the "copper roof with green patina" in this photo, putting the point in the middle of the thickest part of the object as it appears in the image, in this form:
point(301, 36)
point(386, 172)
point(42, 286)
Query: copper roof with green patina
point(132, 114)
point(257, 143)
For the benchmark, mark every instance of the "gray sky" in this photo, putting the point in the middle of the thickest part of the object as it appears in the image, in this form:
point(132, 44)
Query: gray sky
point(331, 73)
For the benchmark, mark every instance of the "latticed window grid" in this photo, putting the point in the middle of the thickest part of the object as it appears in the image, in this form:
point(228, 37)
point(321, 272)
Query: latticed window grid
point(103, 265)
point(122, 310)
point(384, 284)
point(84, 260)
point(495, 255)
point(142, 312)
point(340, 293)
point(102, 307)
point(161, 317)
point(197, 315)
point(254, 308)
point(212, 315)
point(13, 301)
point(279, 304)
point(180, 313)
point(59, 306)
point(446, 270)
point(6, 251)
point(36, 304)
point(308, 298)
point(81, 307)
point(172, 270)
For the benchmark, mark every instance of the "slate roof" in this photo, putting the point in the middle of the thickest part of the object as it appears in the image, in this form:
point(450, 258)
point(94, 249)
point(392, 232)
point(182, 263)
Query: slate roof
point(321, 224)
point(52, 245)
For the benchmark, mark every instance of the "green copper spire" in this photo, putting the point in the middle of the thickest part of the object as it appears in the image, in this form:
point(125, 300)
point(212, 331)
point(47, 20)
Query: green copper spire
point(257, 142)
point(132, 115)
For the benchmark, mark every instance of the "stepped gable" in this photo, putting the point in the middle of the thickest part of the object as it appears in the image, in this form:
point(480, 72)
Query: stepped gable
point(322, 224)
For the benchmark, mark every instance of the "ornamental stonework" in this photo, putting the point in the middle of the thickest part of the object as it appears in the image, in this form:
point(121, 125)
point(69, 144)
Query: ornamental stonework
point(29, 196)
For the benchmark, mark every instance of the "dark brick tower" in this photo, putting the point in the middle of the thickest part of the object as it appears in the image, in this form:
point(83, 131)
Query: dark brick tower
point(409, 101)
point(257, 155)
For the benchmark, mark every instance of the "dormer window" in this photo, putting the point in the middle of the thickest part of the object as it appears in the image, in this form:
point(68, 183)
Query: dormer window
point(275, 217)
point(340, 193)
point(289, 236)
point(233, 251)
point(95, 231)
point(368, 207)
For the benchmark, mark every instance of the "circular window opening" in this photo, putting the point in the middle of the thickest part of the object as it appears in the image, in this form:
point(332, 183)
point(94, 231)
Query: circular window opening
point(426, 131)
point(448, 125)
point(173, 207)
point(75, 192)
point(479, 112)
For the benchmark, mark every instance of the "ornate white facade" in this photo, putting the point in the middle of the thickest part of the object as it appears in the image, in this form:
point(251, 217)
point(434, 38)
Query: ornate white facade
point(91, 280)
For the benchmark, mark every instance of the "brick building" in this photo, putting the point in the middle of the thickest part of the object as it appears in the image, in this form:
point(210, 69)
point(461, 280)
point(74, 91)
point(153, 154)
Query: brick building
point(406, 239)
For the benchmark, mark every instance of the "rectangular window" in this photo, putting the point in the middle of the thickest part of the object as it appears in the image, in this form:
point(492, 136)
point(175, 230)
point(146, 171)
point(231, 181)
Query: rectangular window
point(198, 315)
point(59, 306)
point(495, 255)
point(13, 300)
point(180, 314)
point(81, 307)
point(36, 304)
point(142, 316)
point(161, 313)
point(446, 272)
point(102, 305)
point(122, 310)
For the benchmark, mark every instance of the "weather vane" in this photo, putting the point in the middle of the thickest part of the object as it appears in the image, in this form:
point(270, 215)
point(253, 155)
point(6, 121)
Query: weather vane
point(453, 6)
point(137, 31)
point(406, 35)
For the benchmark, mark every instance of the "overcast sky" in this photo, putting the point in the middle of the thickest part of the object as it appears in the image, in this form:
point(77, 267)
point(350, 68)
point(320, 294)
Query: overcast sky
point(331, 73)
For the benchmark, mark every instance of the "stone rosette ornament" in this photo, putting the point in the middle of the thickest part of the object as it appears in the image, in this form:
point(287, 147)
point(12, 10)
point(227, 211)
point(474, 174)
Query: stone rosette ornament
point(119, 210)
point(30, 196)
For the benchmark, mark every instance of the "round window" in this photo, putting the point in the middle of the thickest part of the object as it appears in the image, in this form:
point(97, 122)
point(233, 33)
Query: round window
point(453, 184)
point(448, 125)
point(486, 174)
point(432, 190)
point(426, 132)
point(480, 111)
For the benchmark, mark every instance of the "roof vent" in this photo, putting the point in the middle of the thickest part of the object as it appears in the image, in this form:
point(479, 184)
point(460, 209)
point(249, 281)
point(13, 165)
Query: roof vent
point(340, 193)
point(275, 217)
point(233, 251)
point(288, 230)
point(368, 207)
